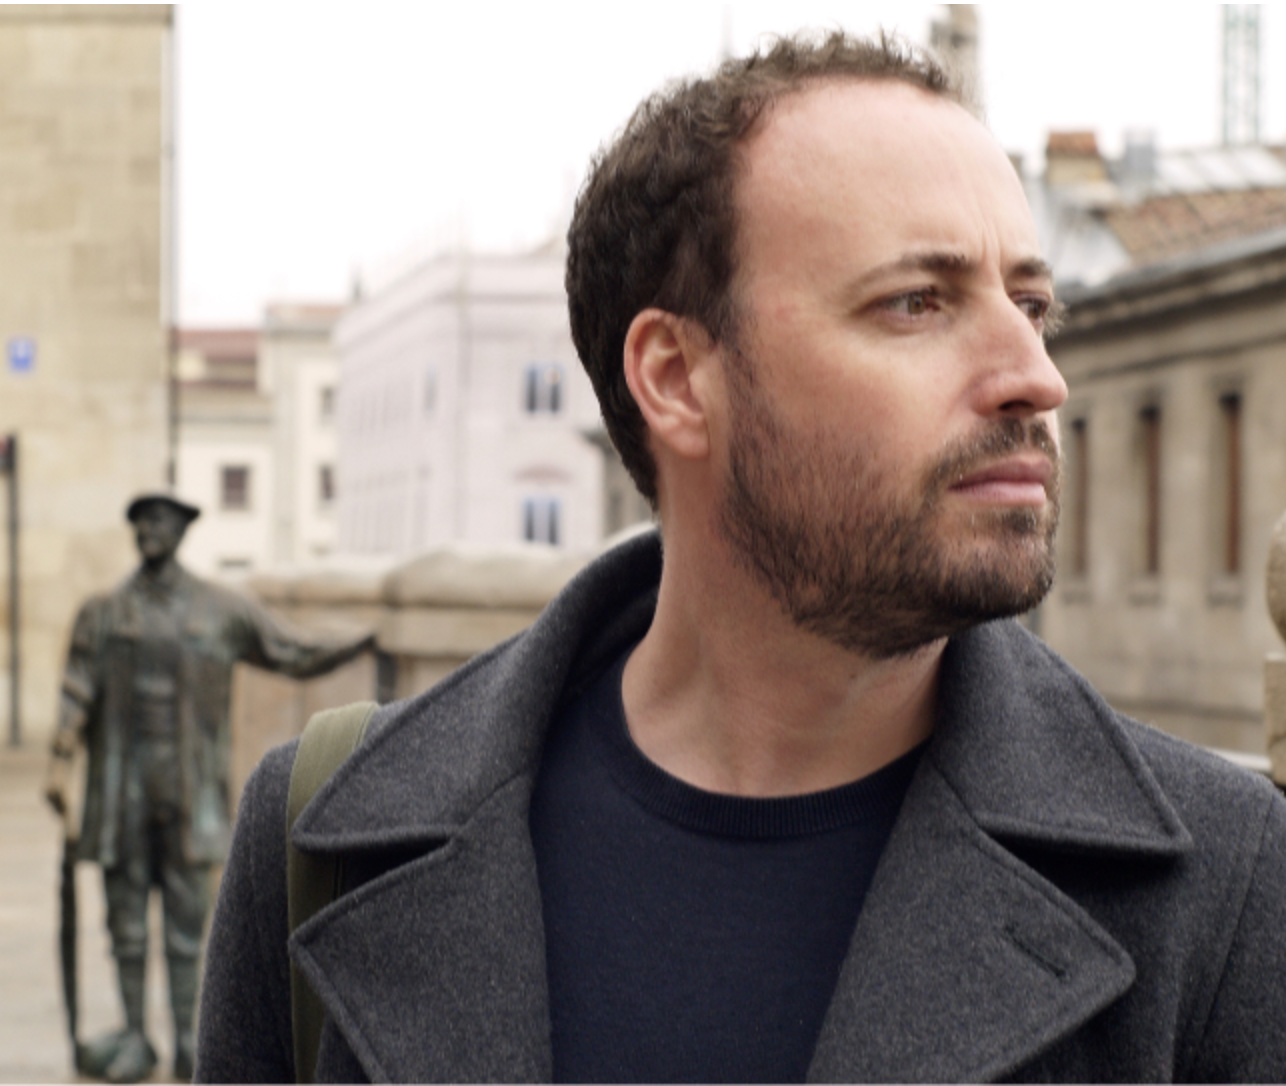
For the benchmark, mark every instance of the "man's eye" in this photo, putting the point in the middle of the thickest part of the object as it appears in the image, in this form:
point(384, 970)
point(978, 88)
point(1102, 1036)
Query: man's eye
point(1035, 308)
point(914, 303)
point(1044, 313)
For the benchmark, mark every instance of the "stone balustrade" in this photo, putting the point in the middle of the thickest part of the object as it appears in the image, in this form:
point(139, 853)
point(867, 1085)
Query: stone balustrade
point(435, 612)
point(430, 615)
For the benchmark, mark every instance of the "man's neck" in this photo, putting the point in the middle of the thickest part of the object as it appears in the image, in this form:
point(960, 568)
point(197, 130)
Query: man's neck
point(727, 693)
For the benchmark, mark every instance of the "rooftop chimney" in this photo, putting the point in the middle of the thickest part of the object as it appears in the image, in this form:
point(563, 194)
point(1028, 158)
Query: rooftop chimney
point(1072, 158)
point(1138, 162)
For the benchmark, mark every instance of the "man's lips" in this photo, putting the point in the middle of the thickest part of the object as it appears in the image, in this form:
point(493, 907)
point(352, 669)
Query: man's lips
point(1019, 480)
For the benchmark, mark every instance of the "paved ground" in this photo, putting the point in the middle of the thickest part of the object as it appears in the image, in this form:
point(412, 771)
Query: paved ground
point(33, 1032)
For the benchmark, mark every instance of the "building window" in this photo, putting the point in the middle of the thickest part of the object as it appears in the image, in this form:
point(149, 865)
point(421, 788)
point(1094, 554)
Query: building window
point(234, 487)
point(326, 403)
point(1078, 462)
point(325, 484)
point(1229, 481)
point(541, 520)
point(1150, 456)
point(543, 385)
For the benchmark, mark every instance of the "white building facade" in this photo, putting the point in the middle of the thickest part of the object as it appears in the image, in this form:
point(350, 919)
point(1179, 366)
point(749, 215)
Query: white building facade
point(225, 452)
point(299, 372)
point(256, 449)
point(464, 411)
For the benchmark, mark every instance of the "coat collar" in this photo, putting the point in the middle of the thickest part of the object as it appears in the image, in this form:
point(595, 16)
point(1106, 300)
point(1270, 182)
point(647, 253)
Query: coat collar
point(965, 962)
point(1035, 754)
point(429, 762)
point(460, 992)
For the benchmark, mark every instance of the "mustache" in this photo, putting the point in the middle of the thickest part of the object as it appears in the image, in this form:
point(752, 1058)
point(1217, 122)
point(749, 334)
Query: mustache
point(1002, 438)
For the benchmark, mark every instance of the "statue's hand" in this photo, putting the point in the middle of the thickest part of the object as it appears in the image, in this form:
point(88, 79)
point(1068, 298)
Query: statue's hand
point(56, 784)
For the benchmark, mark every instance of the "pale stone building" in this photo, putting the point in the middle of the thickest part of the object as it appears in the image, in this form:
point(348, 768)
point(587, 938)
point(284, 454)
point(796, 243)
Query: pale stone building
point(84, 213)
point(299, 372)
point(1174, 266)
point(257, 442)
point(464, 413)
point(1173, 437)
point(225, 451)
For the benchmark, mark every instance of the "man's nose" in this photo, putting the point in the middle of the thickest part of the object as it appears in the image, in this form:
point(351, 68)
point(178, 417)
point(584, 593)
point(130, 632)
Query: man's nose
point(1018, 378)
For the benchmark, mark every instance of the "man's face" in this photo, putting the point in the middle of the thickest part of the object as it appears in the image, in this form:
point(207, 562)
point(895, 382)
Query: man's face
point(158, 530)
point(891, 456)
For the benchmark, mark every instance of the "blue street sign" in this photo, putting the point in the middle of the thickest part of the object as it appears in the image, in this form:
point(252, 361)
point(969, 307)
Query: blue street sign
point(22, 354)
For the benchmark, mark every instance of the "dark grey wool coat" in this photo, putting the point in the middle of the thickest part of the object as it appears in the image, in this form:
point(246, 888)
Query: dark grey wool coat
point(1067, 895)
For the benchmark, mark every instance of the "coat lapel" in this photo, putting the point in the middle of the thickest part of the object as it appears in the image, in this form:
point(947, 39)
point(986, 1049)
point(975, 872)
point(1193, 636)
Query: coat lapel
point(435, 969)
point(966, 963)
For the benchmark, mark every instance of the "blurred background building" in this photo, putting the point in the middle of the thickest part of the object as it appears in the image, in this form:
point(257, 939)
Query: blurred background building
point(1174, 266)
point(299, 370)
point(257, 446)
point(464, 411)
point(225, 450)
point(85, 277)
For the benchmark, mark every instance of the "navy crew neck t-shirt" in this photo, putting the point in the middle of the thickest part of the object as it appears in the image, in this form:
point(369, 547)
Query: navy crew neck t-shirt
point(692, 936)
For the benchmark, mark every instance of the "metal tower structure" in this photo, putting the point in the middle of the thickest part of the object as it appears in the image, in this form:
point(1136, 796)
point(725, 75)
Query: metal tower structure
point(1241, 78)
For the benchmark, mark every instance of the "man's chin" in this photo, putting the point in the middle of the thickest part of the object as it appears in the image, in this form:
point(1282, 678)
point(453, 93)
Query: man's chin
point(1010, 580)
point(997, 522)
point(1013, 547)
point(993, 579)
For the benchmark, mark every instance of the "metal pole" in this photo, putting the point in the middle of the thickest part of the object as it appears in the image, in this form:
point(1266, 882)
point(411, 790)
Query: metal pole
point(15, 727)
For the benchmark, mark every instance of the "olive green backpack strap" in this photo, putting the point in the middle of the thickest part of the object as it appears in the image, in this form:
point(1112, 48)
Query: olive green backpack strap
point(313, 881)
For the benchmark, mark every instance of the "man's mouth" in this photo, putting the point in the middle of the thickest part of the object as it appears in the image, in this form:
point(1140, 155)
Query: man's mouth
point(1016, 480)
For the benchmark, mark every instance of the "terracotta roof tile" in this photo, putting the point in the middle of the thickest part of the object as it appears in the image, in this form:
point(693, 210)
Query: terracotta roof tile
point(1072, 143)
point(221, 343)
point(1167, 226)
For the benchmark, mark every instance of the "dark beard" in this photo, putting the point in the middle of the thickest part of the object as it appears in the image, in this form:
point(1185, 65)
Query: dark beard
point(814, 524)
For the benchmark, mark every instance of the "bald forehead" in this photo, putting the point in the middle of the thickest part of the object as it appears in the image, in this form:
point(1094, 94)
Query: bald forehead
point(858, 163)
point(882, 118)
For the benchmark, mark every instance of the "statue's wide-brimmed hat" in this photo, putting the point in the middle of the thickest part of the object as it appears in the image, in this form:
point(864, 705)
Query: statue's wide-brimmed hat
point(190, 512)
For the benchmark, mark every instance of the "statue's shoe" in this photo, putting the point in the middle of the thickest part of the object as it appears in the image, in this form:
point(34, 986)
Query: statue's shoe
point(95, 1056)
point(134, 1060)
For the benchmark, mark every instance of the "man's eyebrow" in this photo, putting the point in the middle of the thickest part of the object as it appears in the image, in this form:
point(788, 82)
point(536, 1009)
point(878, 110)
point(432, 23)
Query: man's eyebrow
point(946, 262)
point(1032, 268)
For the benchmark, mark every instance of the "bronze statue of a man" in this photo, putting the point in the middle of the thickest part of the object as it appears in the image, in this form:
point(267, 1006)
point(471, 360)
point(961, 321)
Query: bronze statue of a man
point(146, 689)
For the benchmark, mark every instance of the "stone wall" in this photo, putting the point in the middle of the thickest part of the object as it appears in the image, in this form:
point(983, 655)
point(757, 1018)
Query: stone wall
point(1181, 646)
point(82, 237)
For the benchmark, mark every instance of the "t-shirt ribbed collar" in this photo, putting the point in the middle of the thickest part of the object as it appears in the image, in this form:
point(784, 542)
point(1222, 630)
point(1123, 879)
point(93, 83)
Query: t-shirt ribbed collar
point(873, 800)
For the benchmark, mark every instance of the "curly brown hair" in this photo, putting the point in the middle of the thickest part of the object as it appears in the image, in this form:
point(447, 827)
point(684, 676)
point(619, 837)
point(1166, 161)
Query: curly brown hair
point(655, 221)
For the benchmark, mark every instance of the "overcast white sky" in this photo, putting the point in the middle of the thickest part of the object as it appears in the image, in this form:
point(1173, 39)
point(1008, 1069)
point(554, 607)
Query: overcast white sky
point(319, 140)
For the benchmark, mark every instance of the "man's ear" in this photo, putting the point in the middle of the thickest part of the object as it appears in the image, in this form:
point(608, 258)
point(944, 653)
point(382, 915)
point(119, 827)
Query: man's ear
point(667, 361)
